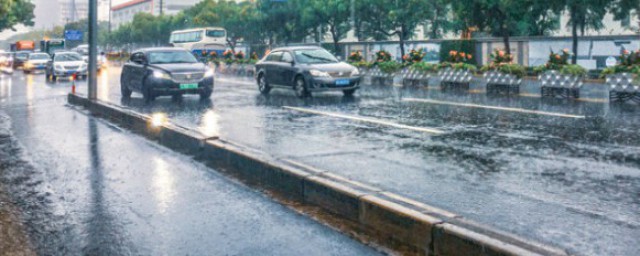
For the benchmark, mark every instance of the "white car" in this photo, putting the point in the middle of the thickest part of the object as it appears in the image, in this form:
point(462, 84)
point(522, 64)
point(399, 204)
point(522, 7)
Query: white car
point(35, 61)
point(66, 64)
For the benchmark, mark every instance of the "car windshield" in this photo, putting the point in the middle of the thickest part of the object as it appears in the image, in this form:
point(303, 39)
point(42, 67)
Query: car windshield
point(22, 55)
point(67, 57)
point(40, 56)
point(171, 57)
point(312, 56)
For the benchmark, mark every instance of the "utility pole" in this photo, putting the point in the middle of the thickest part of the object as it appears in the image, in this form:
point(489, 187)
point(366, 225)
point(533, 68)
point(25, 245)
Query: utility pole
point(93, 49)
point(110, 4)
point(161, 7)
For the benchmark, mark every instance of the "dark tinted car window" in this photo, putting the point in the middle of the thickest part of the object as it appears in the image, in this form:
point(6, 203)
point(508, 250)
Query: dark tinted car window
point(274, 56)
point(215, 33)
point(311, 56)
point(171, 57)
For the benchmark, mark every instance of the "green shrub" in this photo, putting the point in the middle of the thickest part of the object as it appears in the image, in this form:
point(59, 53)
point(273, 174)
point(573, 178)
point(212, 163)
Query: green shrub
point(459, 66)
point(425, 67)
point(362, 64)
point(510, 69)
point(573, 70)
point(389, 67)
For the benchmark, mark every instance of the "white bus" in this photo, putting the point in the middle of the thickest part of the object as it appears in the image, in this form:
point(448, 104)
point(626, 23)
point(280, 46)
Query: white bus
point(198, 40)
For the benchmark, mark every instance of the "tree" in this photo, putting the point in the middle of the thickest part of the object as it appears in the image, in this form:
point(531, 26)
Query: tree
point(281, 20)
point(387, 18)
point(14, 12)
point(439, 22)
point(333, 15)
point(585, 14)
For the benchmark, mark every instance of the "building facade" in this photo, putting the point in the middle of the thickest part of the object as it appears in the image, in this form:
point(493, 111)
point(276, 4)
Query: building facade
point(124, 13)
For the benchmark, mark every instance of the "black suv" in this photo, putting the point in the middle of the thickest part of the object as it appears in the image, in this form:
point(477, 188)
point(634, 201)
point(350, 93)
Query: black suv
point(165, 72)
point(305, 70)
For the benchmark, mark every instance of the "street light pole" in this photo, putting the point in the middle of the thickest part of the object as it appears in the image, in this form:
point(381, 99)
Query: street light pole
point(93, 49)
point(161, 7)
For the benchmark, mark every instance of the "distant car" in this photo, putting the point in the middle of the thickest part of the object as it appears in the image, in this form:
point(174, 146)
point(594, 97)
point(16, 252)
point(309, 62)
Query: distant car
point(83, 50)
point(306, 70)
point(165, 72)
point(36, 61)
point(66, 64)
point(19, 59)
point(6, 60)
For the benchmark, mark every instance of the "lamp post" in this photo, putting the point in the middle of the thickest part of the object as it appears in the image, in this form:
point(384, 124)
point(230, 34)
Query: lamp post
point(93, 49)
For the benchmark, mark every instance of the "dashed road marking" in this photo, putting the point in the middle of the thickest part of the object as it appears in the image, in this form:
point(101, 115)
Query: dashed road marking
point(367, 120)
point(518, 110)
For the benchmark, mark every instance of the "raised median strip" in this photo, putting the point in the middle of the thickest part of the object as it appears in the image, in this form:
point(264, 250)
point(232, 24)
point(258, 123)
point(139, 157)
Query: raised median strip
point(388, 219)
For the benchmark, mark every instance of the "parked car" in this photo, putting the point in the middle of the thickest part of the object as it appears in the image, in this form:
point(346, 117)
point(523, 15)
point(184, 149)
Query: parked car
point(306, 70)
point(165, 72)
point(66, 64)
point(19, 58)
point(36, 61)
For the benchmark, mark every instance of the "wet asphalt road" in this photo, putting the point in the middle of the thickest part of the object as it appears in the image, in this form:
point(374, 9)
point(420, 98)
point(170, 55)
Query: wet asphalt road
point(566, 174)
point(85, 187)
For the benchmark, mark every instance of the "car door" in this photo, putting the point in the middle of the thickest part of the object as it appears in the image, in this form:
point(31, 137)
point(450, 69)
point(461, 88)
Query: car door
point(136, 70)
point(286, 69)
point(271, 68)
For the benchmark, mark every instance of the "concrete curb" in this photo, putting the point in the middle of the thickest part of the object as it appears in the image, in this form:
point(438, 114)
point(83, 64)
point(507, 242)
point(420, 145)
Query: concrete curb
point(391, 220)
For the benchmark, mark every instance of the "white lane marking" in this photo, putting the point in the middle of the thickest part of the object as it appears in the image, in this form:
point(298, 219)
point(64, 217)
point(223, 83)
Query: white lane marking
point(367, 120)
point(234, 81)
point(518, 110)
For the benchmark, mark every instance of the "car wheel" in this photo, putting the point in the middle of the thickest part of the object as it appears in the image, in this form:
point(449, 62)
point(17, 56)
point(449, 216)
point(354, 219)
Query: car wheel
point(300, 88)
point(349, 93)
point(263, 86)
point(206, 94)
point(124, 89)
point(148, 94)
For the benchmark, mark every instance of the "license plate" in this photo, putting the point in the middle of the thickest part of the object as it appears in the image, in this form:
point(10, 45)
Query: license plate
point(188, 86)
point(342, 82)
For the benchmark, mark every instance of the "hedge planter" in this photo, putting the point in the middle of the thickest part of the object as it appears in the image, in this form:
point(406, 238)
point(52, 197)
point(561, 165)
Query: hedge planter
point(415, 78)
point(379, 77)
point(501, 83)
point(455, 80)
point(622, 88)
point(556, 85)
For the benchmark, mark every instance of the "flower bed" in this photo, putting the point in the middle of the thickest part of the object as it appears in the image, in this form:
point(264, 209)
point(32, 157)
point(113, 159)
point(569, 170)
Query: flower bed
point(502, 75)
point(559, 79)
point(455, 73)
point(623, 78)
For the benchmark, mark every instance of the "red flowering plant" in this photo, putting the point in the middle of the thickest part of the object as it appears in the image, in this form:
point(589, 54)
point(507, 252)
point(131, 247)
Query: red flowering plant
point(355, 57)
point(213, 58)
point(560, 62)
point(228, 56)
point(416, 55)
point(253, 59)
point(383, 56)
point(459, 61)
point(628, 62)
point(503, 62)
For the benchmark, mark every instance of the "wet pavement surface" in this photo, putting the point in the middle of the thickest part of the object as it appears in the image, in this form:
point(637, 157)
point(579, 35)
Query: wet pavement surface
point(564, 173)
point(85, 187)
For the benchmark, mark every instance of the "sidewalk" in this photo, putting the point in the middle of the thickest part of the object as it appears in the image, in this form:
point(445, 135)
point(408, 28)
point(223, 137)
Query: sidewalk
point(86, 187)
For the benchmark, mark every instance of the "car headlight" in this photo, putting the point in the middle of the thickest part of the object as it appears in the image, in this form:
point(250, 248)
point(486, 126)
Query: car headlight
point(28, 64)
point(318, 73)
point(355, 72)
point(161, 75)
point(209, 73)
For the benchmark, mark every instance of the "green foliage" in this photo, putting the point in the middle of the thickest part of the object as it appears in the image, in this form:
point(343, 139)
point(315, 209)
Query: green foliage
point(14, 12)
point(425, 67)
point(330, 15)
point(414, 56)
point(459, 66)
point(507, 68)
point(628, 62)
point(466, 46)
point(383, 56)
point(362, 64)
point(573, 70)
point(389, 67)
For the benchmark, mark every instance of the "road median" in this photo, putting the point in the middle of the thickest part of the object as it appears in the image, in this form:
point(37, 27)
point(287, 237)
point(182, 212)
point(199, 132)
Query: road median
point(388, 219)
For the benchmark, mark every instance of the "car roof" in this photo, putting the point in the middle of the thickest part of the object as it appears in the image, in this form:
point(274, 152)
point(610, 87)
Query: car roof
point(65, 52)
point(294, 48)
point(159, 49)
